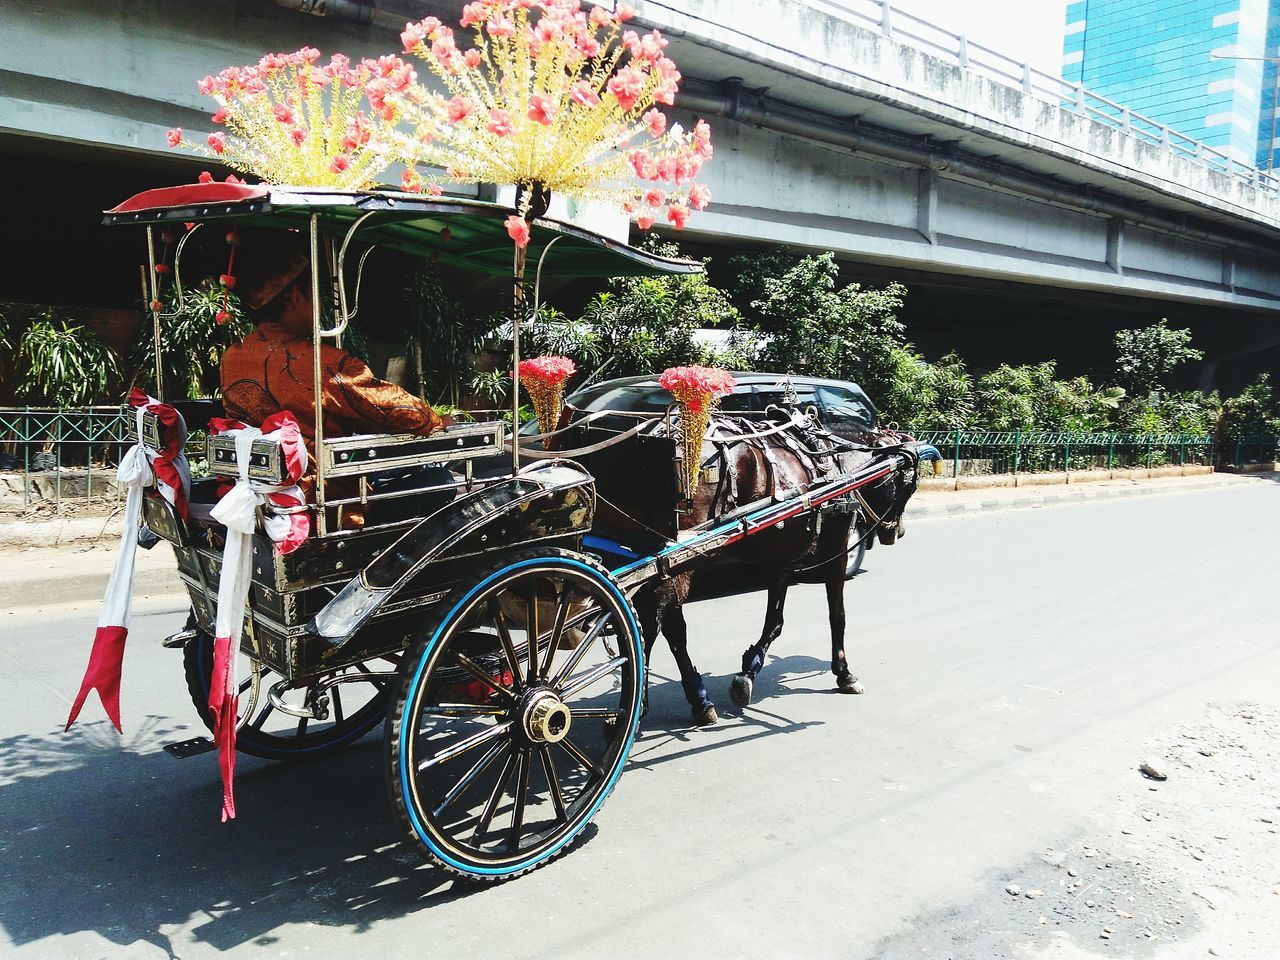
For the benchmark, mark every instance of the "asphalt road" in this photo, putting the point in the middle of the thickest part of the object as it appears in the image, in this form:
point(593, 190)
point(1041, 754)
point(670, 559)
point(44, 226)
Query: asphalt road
point(1018, 667)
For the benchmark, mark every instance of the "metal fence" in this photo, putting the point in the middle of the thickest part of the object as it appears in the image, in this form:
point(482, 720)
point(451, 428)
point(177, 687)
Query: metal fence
point(987, 452)
point(52, 455)
point(956, 48)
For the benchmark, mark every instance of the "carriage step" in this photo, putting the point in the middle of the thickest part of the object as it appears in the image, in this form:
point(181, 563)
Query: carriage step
point(189, 748)
point(179, 639)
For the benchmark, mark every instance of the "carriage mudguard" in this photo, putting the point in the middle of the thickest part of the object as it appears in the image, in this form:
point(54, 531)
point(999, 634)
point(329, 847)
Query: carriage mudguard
point(552, 498)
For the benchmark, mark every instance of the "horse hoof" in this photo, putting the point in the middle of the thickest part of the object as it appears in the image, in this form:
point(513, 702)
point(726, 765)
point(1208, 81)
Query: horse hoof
point(740, 690)
point(850, 685)
point(705, 718)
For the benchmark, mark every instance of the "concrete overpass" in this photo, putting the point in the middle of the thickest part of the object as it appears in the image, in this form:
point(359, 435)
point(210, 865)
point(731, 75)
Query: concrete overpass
point(1028, 218)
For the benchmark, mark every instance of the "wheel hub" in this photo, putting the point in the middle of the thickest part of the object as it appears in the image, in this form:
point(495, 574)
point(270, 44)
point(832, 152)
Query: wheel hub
point(546, 719)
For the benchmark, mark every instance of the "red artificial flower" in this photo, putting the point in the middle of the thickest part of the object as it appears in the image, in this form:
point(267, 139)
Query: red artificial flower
point(217, 142)
point(472, 14)
point(472, 58)
point(410, 182)
point(655, 197)
point(581, 92)
point(518, 229)
point(227, 281)
point(339, 163)
point(500, 27)
point(233, 238)
point(413, 36)
point(696, 386)
point(657, 121)
point(298, 135)
point(221, 317)
point(220, 115)
point(626, 86)
point(624, 12)
point(162, 268)
point(499, 122)
point(156, 306)
point(542, 110)
point(232, 178)
point(459, 108)
point(644, 222)
point(174, 136)
point(283, 113)
point(678, 213)
point(205, 177)
point(699, 196)
point(434, 189)
point(600, 17)
point(552, 371)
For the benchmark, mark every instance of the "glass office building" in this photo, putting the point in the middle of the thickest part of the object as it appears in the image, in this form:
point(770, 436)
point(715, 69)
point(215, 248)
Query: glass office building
point(1184, 63)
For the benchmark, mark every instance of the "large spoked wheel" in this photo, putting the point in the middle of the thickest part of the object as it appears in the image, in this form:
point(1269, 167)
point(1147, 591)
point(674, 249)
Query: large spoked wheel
point(515, 714)
point(354, 708)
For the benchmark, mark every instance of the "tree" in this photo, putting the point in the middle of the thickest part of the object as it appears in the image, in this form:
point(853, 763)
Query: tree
point(64, 364)
point(815, 327)
point(1145, 357)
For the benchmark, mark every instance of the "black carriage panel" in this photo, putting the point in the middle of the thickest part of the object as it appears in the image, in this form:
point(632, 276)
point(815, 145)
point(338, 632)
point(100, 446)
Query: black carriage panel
point(636, 484)
point(357, 455)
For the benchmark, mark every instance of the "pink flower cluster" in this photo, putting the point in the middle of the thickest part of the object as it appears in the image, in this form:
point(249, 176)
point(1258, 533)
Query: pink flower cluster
point(551, 371)
point(695, 386)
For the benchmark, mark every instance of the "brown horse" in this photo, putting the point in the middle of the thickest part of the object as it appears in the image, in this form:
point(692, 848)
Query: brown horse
point(813, 546)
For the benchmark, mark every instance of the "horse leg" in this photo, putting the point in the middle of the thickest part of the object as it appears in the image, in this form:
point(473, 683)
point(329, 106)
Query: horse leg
point(846, 682)
point(741, 687)
point(646, 605)
point(676, 631)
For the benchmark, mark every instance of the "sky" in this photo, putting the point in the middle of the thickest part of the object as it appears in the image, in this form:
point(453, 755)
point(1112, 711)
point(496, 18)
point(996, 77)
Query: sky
point(1028, 30)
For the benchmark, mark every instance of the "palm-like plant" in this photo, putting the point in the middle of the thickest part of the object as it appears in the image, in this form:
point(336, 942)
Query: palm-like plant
point(193, 341)
point(61, 363)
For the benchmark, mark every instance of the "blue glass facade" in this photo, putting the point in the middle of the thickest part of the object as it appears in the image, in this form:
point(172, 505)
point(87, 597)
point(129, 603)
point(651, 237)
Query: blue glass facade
point(1157, 57)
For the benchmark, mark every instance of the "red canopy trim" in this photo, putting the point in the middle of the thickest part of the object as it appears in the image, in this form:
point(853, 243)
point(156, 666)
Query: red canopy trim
point(191, 194)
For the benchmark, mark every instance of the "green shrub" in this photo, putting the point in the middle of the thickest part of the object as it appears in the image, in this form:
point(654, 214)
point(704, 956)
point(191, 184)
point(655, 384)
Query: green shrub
point(61, 363)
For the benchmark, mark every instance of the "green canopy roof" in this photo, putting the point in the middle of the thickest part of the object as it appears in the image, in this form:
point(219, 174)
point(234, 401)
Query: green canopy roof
point(467, 234)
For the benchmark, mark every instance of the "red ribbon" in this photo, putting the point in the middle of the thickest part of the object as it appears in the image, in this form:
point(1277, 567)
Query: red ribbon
point(103, 674)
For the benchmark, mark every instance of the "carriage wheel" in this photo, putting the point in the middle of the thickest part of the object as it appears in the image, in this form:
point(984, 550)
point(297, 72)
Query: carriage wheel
point(501, 749)
point(354, 708)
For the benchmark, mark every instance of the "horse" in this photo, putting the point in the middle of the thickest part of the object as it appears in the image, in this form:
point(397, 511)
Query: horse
point(775, 461)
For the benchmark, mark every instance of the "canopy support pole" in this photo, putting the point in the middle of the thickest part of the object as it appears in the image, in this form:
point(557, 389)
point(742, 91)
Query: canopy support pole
point(154, 284)
point(317, 376)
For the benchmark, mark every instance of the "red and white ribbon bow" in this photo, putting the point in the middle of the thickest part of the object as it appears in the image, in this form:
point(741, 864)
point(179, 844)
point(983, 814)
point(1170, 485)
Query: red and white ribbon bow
point(237, 510)
point(138, 467)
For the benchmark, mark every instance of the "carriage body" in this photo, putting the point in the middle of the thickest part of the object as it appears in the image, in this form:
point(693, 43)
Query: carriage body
point(488, 615)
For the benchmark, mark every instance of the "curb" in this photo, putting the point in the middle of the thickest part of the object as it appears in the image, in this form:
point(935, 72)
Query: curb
point(43, 577)
point(916, 509)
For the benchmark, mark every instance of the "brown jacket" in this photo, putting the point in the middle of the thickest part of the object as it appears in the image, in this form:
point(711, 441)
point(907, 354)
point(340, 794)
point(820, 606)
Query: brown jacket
point(272, 371)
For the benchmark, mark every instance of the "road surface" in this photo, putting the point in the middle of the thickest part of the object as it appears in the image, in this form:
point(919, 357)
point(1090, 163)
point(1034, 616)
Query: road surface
point(1019, 667)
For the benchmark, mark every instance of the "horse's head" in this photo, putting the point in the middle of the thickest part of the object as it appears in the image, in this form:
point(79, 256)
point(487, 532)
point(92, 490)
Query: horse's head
point(887, 498)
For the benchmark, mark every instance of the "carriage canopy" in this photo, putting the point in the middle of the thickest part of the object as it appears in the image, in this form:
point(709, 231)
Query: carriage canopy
point(476, 238)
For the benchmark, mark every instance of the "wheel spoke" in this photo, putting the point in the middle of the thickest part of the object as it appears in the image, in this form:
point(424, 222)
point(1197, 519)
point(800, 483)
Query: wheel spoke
point(531, 633)
point(595, 713)
point(584, 680)
point(463, 710)
point(596, 629)
point(508, 647)
point(480, 674)
point(337, 704)
point(491, 806)
point(378, 682)
point(517, 810)
point(470, 776)
point(465, 744)
point(557, 631)
point(261, 718)
point(584, 761)
point(553, 785)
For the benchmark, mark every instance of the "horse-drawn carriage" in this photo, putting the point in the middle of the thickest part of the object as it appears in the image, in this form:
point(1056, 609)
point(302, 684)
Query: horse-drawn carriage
point(488, 620)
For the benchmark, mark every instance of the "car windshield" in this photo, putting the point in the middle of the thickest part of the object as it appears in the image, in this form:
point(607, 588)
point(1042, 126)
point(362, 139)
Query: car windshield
point(649, 398)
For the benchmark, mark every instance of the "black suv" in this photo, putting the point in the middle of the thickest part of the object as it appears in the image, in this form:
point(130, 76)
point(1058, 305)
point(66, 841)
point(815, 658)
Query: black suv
point(842, 407)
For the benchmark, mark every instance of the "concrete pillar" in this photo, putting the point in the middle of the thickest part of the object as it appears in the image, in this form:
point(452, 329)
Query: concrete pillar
point(927, 205)
point(1115, 245)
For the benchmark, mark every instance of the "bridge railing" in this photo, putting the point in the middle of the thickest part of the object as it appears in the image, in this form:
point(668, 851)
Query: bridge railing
point(956, 48)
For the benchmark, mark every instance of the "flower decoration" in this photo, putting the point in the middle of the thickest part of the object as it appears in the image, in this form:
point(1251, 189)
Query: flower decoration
point(698, 391)
point(288, 119)
point(544, 378)
point(552, 98)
